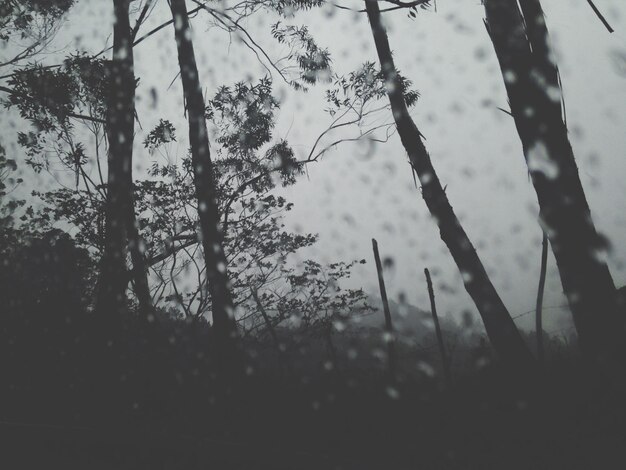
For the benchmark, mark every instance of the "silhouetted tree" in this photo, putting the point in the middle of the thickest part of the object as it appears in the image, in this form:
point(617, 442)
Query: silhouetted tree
point(120, 119)
point(53, 100)
point(204, 177)
point(256, 243)
point(520, 37)
point(500, 327)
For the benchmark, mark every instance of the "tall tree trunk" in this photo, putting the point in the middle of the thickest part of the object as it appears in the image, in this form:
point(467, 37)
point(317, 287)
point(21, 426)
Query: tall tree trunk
point(204, 177)
point(499, 325)
point(111, 296)
point(520, 39)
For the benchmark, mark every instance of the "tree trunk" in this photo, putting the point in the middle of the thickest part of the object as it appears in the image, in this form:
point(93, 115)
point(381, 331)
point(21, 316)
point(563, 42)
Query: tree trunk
point(204, 178)
point(499, 325)
point(520, 39)
point(140, 267)
point(111, 297)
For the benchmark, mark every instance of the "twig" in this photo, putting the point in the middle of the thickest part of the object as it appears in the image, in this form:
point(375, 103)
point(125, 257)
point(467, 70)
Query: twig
point(600, 16)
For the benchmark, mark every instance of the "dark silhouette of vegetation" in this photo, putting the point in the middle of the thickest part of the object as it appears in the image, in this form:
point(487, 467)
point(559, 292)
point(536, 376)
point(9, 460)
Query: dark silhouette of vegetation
point(120, 118)
point(204, 178)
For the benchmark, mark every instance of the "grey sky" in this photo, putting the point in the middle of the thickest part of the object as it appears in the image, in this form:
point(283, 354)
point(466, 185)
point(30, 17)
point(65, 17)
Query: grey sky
point(356, 192)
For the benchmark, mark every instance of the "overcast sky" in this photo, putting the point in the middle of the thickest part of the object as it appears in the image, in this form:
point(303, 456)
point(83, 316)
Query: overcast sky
point(358, 191)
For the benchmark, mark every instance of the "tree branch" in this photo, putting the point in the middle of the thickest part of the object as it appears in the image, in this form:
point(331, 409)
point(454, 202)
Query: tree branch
point(600, 16)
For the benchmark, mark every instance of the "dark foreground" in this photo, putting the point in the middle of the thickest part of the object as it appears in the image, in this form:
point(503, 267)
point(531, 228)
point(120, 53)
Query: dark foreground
point(150, 396)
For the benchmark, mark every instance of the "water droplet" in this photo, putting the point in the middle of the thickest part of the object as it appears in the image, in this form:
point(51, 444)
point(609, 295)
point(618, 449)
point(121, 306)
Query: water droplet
point(467, 277)
point(426, 368)
point(539, 161)
point(392, 392)
point(509, 76)
point(388, 337)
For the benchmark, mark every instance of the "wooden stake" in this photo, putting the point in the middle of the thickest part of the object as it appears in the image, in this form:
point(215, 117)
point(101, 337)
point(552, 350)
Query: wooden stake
point(388, 325)
point(442, 349)
point(538, 311)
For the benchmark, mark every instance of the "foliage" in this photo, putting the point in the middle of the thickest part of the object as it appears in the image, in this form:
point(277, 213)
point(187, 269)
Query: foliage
point(43, 95)
point(162, 134)
point(414, 9)
point(48, 96)
point(284, 160)
point(79, 209)
point(19, 15)
point(257, 244)
point(51, 98)
point(254, 234)
point(7, 167)
point(314, 62)
point(7, 208)
point(362, 86)
point(289, 7)
point(244, 115)
point(311, 296)
point(91, 78)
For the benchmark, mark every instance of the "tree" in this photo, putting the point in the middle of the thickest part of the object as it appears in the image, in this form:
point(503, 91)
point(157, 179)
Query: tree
point(101, 93)
point(204, 178)
point(499, 325)
point(312, 60)
point(249, 165)
point(120, 119)
point(520, 38)
point(55, 100)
